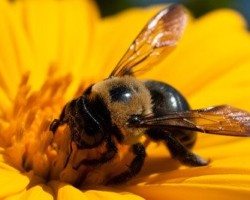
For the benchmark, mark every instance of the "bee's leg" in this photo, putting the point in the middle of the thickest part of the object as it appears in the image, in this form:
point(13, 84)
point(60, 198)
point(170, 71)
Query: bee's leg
point(54, 125)
point(177, 150)
point(57, 122)
point(109, 154)
point(68, 156)
point(184, 155)
point(134, 168)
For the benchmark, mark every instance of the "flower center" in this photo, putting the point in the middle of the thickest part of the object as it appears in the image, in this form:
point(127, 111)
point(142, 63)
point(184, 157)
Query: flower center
point(25, 137)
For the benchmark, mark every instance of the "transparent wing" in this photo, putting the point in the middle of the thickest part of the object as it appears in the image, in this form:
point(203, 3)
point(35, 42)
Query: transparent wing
point(221, 120)
point(155, 41)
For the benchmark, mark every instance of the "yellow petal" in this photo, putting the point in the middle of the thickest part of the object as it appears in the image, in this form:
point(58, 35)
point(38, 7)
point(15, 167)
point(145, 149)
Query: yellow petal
point(41, 25)
point(69, 192)
point(181, 191)
point(11, 182)
point(64, 192)
point(227, 167)
point(5, 101)
point(77, 25)
point(235, 180)
point(102, 194)
point(5, 166)
point(232, 87)
point(225, 147)
point(17, 196)
point(39, 192)
point(8, 37)
point(64, 41)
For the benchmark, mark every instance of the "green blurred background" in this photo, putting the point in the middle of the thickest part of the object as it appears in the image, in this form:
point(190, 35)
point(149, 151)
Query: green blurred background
point(197, 7)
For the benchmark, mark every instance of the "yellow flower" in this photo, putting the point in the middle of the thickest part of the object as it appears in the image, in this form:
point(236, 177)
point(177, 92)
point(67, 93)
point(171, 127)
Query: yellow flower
point(64, 45)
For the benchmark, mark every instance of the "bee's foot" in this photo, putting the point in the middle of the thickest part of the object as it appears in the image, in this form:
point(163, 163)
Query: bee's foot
point(54, 125)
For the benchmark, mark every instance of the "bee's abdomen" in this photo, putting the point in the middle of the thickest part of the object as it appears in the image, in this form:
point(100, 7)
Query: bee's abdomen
point(166, 99)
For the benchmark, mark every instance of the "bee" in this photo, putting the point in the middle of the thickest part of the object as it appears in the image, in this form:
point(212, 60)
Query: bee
point(121, 109)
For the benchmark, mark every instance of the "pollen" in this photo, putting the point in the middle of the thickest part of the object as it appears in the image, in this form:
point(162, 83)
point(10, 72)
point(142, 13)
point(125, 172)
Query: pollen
point(27, 143)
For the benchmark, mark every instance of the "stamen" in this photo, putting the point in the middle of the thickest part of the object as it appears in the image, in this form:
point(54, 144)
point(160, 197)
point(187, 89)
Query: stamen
point(27, 143)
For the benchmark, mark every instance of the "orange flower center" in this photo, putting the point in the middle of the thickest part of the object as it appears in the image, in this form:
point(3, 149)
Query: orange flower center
point(28, 144)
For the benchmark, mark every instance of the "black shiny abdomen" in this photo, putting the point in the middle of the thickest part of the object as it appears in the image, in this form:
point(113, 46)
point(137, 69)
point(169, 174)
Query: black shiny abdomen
point(167, 99)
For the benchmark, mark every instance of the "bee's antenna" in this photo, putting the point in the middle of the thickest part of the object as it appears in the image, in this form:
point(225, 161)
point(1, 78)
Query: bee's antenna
point(84, 104)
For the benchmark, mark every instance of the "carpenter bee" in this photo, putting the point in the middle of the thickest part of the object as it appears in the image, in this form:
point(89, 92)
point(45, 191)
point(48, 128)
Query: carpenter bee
point(121, 109)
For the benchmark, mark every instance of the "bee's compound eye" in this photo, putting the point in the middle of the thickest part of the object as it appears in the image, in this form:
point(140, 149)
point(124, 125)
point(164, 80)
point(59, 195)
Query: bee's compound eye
point(121, 93)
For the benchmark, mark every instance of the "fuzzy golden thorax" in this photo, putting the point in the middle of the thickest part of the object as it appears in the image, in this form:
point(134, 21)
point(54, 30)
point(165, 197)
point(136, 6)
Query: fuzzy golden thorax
point(138, 104)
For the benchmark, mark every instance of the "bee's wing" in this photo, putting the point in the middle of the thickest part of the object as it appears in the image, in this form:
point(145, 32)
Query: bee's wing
point(155, 40)
point(221, 120)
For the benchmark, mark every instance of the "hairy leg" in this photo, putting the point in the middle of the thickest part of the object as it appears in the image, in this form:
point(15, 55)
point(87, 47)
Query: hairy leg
point(109, 154)
point(176, 148)
point(57, 122)
point(134, 168)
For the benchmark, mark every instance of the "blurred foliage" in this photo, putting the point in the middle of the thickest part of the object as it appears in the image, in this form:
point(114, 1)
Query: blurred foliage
point(197, 7)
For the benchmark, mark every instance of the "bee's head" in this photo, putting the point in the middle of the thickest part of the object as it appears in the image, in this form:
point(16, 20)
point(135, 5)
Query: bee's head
point(122, 97)
point(86, 117)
